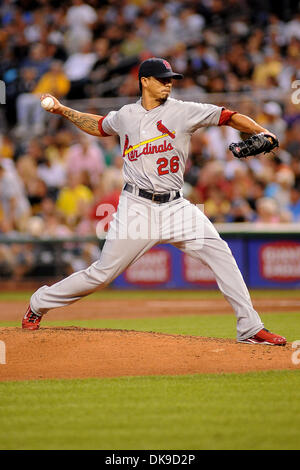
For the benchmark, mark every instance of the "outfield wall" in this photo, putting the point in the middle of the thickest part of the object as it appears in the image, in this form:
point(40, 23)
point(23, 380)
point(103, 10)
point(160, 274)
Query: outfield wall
point(268, 257)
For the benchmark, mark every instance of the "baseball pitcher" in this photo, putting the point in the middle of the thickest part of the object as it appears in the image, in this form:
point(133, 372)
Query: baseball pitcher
point(155, 134)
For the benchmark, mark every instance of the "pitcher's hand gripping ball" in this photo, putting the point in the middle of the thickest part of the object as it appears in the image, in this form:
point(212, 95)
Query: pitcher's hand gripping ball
point(254, 145)
point(47, 103)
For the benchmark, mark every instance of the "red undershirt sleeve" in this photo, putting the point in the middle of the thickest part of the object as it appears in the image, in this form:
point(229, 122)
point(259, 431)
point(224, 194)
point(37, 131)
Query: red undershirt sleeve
point(225, 116)
point(103, 134)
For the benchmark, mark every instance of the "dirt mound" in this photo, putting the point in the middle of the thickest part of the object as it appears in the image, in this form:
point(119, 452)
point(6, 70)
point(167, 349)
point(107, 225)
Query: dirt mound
point(80, 353)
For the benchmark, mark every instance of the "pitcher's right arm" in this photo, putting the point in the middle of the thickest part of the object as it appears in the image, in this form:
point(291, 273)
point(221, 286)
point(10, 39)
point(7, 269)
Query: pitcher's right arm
point(86, 122)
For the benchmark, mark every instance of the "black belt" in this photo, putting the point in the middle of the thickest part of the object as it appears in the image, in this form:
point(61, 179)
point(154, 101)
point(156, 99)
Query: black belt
point(155, 197)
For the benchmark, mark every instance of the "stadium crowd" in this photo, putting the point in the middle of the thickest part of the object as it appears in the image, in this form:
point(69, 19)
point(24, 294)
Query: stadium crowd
point(53, 178)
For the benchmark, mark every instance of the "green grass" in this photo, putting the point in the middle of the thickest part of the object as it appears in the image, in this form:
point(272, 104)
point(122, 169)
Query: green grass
point(157, 294)
point(250, 411)
point(225, 411)
point(218, 326)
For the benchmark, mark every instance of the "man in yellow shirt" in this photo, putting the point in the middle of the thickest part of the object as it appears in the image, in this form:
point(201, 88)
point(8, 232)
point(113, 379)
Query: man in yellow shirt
point(54, 80)
point(270, 67)
point(71, 197)
point(30, 114)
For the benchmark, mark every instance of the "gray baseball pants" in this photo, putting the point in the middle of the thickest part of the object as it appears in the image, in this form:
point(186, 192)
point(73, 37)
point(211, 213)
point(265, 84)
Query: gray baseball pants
point(140, 224)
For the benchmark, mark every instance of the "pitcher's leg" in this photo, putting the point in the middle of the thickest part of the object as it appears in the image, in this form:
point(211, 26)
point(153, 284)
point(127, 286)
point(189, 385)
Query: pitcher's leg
point(215, 253)
point(116, 256)
point(120, 250)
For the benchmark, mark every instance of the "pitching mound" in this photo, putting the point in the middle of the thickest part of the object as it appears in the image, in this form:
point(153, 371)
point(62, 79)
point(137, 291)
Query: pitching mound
point(81, 353)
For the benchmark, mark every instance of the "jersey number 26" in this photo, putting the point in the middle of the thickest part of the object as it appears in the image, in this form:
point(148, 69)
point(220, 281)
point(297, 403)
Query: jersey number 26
point(165, 166)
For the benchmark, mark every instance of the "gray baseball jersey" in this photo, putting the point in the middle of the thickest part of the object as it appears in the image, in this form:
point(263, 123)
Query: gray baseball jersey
point(155, 143)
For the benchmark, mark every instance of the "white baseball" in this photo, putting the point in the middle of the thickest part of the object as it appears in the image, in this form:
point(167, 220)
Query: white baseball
point(47, 103)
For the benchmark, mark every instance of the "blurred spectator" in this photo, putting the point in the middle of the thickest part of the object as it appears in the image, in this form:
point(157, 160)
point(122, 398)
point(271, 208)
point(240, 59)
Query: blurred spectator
point(256, 192)
point(243, 68)
point(86, 253)
point(240, 211)
point(30, 115)
point(47, 208)
point(15, 259)
point(234, 166)
point(28, 161)
point(270, 67)
point(106, 202)
point(71, 196)
point(267, 211)
point(7, 258)
point(58, 147)
point(14, 204)
point(37, 60)
point(53, 174)
point(219, 138)
point(85, 156)
point(241, 183)
point(77, 68)
point(212, 175)
point(129, 87)
point(55, 227)
point(112, 176)
point(271, 119)
point(9, 72)
point(280, 190)
point(7, 146)
point(48, 258)
point(202, 58)
point(111, 149)
point(197, 157)
point(215, 83)
point(86, 225)
point(291, 113)
point(216, 207)
point(54, 81)
point(80, 19)
point(292, 29)
point(162, 39)
point(187, 89)
point(36, 192)
point(294, 205)
point(29, 112)
point(132, 44)
point(99, 69)
point(191, 25)
point(254, 45)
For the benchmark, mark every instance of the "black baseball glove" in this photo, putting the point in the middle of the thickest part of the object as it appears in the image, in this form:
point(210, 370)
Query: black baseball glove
point(254, 145)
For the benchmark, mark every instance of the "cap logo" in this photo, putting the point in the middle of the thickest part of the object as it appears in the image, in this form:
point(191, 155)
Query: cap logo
point(166, 64)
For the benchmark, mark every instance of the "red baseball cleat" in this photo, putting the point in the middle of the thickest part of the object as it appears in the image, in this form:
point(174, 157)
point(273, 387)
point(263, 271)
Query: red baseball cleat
point(264, 336)
point(31, 320)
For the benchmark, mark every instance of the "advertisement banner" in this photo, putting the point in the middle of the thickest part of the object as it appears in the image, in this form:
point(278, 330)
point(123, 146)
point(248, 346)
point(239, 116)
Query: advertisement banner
point(153, 268)
point(274, 263)
point(195, 272)
point(166, 267)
